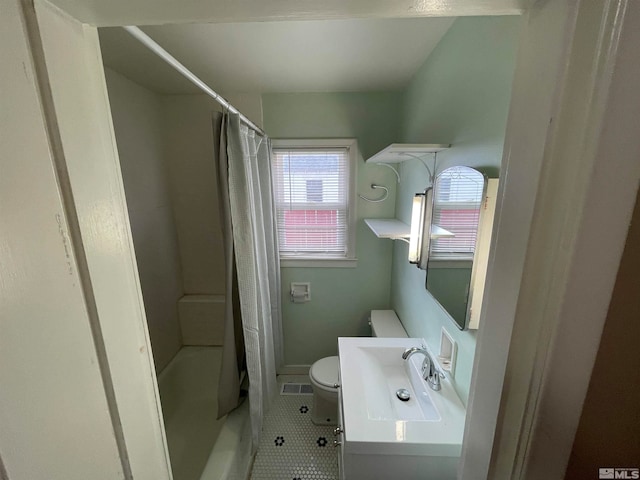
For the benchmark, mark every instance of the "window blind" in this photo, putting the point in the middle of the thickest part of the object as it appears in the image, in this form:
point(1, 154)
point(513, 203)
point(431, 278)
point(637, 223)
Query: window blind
point(311, 189)
point(456, 208)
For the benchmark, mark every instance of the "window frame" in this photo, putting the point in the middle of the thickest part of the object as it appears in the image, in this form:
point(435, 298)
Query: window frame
point(349, 260)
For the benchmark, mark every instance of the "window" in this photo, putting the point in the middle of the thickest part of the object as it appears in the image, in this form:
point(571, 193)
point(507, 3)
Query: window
point(313, 184)
point(314, 190)
point(456, 208)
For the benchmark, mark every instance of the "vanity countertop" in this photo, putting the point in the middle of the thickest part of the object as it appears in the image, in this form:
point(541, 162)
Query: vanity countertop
point(431, 423)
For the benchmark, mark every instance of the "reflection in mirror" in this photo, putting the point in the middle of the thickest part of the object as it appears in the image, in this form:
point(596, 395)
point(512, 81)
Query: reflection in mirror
point(456, 217)
point(420, 223)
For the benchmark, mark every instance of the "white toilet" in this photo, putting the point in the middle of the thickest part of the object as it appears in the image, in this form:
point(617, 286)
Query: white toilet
point(324, 372)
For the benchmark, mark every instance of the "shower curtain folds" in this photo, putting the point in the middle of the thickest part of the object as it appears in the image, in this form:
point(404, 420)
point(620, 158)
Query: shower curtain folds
point(233, 345)
point(250, 200)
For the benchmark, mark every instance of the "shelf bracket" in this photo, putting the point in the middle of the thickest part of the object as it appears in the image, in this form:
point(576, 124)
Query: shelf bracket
point(424, 162)
point(392, 168)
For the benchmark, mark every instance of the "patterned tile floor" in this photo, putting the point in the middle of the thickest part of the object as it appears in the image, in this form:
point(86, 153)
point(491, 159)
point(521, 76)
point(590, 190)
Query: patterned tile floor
point(292, 447)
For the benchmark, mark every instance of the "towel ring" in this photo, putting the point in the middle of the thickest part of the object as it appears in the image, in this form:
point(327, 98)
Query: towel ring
point(385, 195)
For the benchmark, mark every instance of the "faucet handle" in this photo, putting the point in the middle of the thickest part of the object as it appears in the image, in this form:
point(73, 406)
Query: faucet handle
point(425, 367)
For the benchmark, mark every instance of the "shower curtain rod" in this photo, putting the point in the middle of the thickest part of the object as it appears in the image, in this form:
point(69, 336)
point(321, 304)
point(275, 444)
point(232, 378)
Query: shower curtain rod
point(147, 41)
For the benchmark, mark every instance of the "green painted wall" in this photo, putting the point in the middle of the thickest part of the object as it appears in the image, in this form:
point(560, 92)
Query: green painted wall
point(340, 297)
point(459, 96)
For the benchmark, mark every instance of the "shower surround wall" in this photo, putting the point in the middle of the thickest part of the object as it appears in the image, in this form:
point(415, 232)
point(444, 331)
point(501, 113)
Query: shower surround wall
point(189, 150)
point(137, 119)
point(166, 150)
point(193, 183)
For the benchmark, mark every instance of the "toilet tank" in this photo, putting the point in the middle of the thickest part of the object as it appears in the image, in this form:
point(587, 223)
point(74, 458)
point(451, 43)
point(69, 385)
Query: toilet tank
point(385, 323)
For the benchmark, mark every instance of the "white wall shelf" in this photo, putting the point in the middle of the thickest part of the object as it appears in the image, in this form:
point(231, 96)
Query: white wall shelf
point(439, 232)
point(388, 228)
point(396, 230)
point(399, 152)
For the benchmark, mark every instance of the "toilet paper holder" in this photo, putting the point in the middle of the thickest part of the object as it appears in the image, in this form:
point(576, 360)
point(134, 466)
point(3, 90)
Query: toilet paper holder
point(300, 292)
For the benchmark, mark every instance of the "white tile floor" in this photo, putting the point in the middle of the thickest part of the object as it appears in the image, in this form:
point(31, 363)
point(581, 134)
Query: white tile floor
point(292, 447)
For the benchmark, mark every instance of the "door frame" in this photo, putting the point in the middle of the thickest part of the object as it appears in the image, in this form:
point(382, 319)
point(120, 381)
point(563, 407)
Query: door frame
point(571, 128)
point(506, 421)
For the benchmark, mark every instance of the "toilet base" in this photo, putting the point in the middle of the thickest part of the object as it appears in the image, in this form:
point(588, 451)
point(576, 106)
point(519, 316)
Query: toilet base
point(325, 412)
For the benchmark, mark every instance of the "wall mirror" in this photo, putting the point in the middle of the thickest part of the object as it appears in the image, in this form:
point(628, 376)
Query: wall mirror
point(460, 234)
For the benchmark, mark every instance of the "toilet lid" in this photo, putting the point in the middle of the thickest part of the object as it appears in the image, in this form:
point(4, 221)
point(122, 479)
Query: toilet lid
point(325, 371)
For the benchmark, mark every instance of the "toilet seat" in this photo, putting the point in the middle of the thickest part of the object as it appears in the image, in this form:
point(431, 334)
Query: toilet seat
point(324, 372)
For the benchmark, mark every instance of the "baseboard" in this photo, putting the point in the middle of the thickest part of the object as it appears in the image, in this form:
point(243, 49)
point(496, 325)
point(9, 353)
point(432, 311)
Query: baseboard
point(294, 370)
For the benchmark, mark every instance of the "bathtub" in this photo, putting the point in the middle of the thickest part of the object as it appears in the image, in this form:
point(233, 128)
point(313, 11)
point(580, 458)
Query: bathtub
point(200, 446)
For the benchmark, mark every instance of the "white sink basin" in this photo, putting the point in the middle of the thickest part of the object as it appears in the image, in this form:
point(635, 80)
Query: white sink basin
point(383, 373)
point(375, 421)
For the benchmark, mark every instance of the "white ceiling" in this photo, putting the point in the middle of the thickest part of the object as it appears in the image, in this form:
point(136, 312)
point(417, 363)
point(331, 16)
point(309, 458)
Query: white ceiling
point(106, 13)
point(288, 56)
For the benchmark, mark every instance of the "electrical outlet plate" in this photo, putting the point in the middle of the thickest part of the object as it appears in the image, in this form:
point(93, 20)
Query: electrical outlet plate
point(448, 353)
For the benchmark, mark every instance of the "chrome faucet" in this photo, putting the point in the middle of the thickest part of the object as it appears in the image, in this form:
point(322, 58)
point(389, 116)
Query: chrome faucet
point(430, 371)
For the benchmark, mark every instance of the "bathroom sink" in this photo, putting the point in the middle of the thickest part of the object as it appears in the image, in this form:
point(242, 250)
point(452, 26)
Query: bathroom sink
point(375, 420)
point(383, 372)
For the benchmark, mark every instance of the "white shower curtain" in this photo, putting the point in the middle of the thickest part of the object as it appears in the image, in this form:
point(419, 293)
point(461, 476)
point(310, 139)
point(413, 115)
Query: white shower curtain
point(257, 262)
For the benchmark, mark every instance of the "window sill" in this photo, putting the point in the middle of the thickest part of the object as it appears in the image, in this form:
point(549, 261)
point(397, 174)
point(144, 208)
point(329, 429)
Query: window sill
point(318, 262)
